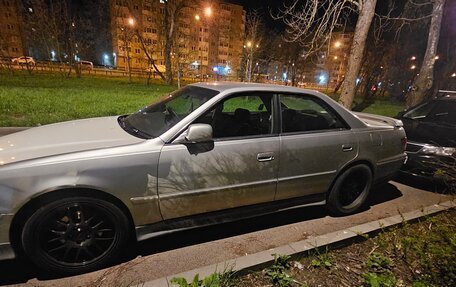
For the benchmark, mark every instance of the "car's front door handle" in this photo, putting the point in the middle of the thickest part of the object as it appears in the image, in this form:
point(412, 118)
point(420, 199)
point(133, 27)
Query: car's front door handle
point(265, 156)
point(346, 148)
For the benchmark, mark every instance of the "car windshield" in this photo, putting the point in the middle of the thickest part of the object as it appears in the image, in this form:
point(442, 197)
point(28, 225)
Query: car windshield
point(154, 120)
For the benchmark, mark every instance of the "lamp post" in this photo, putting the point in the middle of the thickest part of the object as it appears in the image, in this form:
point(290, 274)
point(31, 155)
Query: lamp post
point(198, 18)
point(131, 24)
point(250, 46)
point(337, 56)
point(207, 12)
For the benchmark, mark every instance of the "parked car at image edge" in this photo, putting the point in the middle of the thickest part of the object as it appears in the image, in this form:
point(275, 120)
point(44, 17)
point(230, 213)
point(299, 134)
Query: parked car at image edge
point(85, 65)
point(72, 193)
point(24, 60)
point(431, 134)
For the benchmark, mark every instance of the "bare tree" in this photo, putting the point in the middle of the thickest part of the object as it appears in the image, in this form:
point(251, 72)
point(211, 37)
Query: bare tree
point(254, 27)
point(149, 50)
point(167, 22)
point(367, 11)
point(424, 81)
point(51, 27)
point(445, 67)
point(5, 55)
point(171, 18)
point(312, 23)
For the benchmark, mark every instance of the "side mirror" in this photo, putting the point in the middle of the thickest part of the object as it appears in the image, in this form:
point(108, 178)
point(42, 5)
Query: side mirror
point(198, 133)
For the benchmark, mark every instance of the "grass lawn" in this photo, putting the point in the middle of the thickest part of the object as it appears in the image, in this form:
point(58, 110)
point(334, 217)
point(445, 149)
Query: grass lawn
point(385, 108)
point(43, 99)
point(38, 99)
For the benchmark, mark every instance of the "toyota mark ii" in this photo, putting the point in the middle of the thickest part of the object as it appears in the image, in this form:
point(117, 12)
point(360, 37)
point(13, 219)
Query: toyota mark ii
point(73, 193)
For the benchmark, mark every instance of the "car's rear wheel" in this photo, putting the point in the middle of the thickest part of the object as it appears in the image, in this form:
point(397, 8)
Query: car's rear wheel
point(350, 190)
point(75, 234)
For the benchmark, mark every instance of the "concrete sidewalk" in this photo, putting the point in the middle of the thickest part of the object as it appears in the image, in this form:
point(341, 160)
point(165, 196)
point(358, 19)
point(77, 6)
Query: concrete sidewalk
point(263, 259)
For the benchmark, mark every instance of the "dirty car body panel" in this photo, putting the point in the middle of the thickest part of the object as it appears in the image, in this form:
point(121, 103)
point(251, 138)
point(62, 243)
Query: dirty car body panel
point(162, 182)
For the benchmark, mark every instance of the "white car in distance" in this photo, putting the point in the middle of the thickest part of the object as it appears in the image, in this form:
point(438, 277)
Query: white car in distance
point(24, 60)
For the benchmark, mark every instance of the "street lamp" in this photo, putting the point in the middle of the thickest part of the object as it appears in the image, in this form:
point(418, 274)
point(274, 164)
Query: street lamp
point(337, 44)
point(413, 58)
point(249, 64)
point(131, 24)
point(207, 12)
point(413, 67)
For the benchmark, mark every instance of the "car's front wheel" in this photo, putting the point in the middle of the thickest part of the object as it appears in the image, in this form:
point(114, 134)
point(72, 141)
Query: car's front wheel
point(75, 234)
point(350, 190)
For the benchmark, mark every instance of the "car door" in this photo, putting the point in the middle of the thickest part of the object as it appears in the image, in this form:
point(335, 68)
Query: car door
point(438, 127)
point(314, 143)
point(238, 168)
point(417, 122)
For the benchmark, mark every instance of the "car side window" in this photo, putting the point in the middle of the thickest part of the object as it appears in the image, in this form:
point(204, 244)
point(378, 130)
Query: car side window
point(444, 112)
point(306, 113)
point(420, 112)
point(242, 115)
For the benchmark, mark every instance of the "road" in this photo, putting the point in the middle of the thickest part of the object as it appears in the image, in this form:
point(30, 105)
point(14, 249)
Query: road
point(187, 250)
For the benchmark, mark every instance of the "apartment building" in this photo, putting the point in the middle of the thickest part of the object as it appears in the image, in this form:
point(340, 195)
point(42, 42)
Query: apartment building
point(11, 44)
point(208, 39)
point(333, 60)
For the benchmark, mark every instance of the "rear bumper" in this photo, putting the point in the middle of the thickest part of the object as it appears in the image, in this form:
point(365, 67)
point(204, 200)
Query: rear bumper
point(388, 169)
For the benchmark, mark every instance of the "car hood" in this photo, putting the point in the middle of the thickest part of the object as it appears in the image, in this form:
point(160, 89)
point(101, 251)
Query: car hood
point(62, 138)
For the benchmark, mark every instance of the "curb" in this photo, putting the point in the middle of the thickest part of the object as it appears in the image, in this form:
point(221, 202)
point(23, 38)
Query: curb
point(262, 259)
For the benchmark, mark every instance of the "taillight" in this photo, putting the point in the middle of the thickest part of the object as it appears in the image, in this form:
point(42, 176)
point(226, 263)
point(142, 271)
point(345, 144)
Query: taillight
point(404, 143)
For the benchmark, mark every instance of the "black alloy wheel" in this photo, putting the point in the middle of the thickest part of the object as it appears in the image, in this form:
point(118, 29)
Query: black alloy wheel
point(350, 190)
point(75, 235)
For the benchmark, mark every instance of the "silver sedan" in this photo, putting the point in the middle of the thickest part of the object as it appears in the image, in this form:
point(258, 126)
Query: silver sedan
point(71, 194)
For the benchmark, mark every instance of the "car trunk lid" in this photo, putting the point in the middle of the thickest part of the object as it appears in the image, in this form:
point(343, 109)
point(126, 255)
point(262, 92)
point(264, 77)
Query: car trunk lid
point(377, 120)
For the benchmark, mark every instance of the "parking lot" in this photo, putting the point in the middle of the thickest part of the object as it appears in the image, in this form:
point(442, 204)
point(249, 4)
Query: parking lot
point(182, 251)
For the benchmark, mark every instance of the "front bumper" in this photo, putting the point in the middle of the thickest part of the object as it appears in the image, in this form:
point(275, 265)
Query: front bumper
point(6, 249)
point(426, 166)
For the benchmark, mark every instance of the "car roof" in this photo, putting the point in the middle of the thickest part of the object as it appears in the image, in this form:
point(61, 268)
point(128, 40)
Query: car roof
point(445, 95)
point(224, 86)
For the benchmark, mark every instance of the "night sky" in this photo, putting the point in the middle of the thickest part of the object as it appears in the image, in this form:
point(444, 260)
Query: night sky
point(263, 6)
point(257, 4)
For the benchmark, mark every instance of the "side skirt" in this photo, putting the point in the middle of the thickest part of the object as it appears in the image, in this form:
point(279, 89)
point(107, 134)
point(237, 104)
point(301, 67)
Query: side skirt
point(145, 232)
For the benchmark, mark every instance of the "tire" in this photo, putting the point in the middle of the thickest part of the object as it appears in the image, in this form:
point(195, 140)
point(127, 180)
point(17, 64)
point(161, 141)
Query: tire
point(350, 190)
point(74, 235)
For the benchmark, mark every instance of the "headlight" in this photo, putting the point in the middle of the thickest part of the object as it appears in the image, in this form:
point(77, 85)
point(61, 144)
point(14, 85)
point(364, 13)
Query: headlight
point(437, 150)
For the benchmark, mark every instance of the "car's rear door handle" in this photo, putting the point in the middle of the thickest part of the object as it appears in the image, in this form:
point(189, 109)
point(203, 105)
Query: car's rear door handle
point(346, 148)
point(265, 156)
